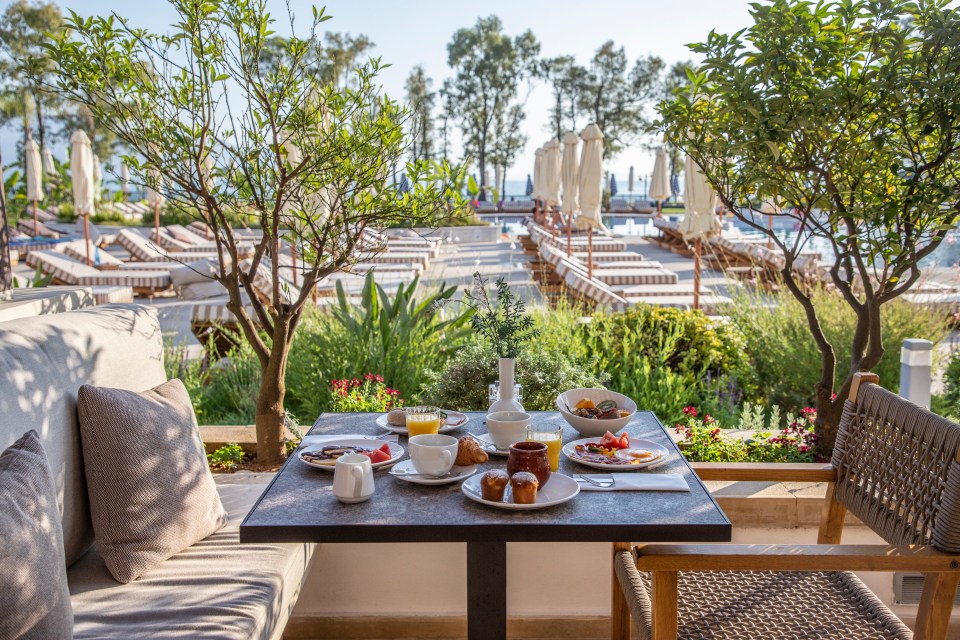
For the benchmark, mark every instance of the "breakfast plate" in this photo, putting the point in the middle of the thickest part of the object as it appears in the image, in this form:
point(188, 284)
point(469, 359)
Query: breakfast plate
point(455, 420)
point(325, 456)
point(641, 454)
point(559, 489)
point(408, 473)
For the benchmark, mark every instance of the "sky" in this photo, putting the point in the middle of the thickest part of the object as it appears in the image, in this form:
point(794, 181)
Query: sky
point(417, 32)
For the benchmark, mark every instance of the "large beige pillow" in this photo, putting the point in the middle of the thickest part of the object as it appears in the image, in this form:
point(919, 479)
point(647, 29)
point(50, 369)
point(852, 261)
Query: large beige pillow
point(34, 600)
point(151, 492)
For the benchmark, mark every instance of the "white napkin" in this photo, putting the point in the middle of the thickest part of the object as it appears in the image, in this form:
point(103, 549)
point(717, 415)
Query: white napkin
point(323, 439)
point(637, 482)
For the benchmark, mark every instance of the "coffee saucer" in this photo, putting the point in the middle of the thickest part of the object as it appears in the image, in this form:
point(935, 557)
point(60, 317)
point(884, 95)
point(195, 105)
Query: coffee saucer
point(407, 472)
point(491, 448)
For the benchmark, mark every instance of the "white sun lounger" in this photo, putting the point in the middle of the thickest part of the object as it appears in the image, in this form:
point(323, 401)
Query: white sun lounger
point(70, 272)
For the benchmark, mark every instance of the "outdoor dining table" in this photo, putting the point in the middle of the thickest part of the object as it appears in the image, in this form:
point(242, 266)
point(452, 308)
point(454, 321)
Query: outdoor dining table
point(299, 506)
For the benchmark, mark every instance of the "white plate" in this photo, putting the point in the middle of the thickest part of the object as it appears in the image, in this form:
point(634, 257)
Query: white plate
point(457, 474)
point(559, 489)
point(382, 423)
point(569, 450)
point(396, 451)
point(492, 448)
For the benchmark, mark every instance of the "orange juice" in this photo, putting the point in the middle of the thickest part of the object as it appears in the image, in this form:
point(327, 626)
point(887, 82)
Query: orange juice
point(421, 423)
point(553, 441)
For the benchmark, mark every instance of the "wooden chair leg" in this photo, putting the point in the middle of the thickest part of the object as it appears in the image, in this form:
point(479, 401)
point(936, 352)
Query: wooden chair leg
point(664, 596)
point(619, 610)
point(831, 519)
point(936, 605)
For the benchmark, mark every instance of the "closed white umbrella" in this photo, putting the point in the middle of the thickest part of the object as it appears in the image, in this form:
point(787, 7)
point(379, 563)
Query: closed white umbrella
point(630, 179)
point(660, 180)
point(46, 157)
point(700, 222)
point(771, 208)
point(590, 185)
point(97, 180)
point(552, 175)
point(155, 199)
point(537, 181)
point(570, 174)
point(81, 175)
point(125, 181)
point(34, 180)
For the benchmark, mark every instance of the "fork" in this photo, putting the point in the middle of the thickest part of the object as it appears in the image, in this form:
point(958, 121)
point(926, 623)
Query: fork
point(603, 483)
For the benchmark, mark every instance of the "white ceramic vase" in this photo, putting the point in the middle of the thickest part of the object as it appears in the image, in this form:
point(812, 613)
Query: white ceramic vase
point(506, 402)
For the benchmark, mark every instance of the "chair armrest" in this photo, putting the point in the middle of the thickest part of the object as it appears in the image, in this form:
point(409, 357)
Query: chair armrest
point(794, 557)
point(765, 472)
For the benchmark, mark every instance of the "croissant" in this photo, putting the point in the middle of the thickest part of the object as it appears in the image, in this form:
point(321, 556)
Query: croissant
point(469, 452)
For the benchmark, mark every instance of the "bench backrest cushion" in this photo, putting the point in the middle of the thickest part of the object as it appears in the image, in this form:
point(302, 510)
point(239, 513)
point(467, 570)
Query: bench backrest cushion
point(44, 361)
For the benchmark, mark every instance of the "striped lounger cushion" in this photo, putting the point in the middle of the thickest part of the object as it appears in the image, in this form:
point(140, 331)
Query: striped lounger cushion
point(118, 294)
point(66, 270)
point(634, 276)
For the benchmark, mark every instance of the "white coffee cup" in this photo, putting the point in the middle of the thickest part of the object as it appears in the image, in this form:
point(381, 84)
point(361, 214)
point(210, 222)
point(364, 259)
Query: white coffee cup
point(432, 453)
point(507, 427)
point(353, 478)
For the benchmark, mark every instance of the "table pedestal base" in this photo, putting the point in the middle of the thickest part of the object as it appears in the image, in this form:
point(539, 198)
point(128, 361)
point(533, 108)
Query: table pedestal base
point(486, 590)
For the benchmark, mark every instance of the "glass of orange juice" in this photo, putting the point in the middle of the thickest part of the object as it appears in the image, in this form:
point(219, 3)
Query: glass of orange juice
point(421, 420)
point(550, 436)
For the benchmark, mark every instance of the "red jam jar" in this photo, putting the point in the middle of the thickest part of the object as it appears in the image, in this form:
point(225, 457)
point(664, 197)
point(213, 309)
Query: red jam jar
point(532, 457)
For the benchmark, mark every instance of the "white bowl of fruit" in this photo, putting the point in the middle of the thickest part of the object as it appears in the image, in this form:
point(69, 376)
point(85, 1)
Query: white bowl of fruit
point(593, 412)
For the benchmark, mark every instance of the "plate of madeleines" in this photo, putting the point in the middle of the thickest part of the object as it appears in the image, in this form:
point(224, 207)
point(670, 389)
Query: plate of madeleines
point(520, 491)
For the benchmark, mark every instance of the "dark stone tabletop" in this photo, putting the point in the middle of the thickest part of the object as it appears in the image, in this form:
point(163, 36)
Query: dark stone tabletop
point(299, 506)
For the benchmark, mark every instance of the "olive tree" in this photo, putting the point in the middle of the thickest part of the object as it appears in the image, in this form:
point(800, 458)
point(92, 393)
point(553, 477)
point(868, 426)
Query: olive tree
point(219, 134)
point(849, 114)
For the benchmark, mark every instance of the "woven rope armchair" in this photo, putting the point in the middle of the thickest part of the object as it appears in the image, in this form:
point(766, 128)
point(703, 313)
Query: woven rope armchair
point(895, 466)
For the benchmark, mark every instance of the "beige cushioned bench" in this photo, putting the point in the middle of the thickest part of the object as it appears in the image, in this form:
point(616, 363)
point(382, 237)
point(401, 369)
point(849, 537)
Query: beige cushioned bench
point(217, 588)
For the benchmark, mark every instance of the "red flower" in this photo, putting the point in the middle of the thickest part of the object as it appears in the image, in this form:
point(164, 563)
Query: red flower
point(708, 419)
point(378, 378)
point(690, 411)
point(369, 376)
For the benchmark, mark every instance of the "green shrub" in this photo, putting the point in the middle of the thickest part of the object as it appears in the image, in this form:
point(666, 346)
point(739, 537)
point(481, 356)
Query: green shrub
point(226, 458)
point(368, 394)
point(400, 335)
point(666, 359)
point(542, 370)
point(785, 359)
point(791, 441)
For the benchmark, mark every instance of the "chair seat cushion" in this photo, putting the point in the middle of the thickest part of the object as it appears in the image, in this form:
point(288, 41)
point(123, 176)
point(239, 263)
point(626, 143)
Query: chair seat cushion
point(764, 604)
point(217, 588)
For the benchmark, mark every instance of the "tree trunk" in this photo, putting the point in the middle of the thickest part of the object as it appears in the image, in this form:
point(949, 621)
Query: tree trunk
point(270, 418)
point(6, 269)
point(828, 420)
point(41, 130)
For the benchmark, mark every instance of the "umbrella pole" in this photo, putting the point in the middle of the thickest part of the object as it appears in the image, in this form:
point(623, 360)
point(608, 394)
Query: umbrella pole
point(770, 229)
point(553, 224)
point(293, 257)
point(36, 220)
point(659, 208)
point(569, 226)
point(590, 253)
point(86, 236)
point(696, 274)
point(156, 223)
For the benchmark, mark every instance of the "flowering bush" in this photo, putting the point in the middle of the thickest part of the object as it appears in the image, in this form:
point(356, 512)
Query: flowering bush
point(704, 439)
point(369, 394)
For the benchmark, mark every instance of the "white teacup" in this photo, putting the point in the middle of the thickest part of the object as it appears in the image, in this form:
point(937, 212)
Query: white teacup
point(507, 427)
point(353, 478)
point(433, 453)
